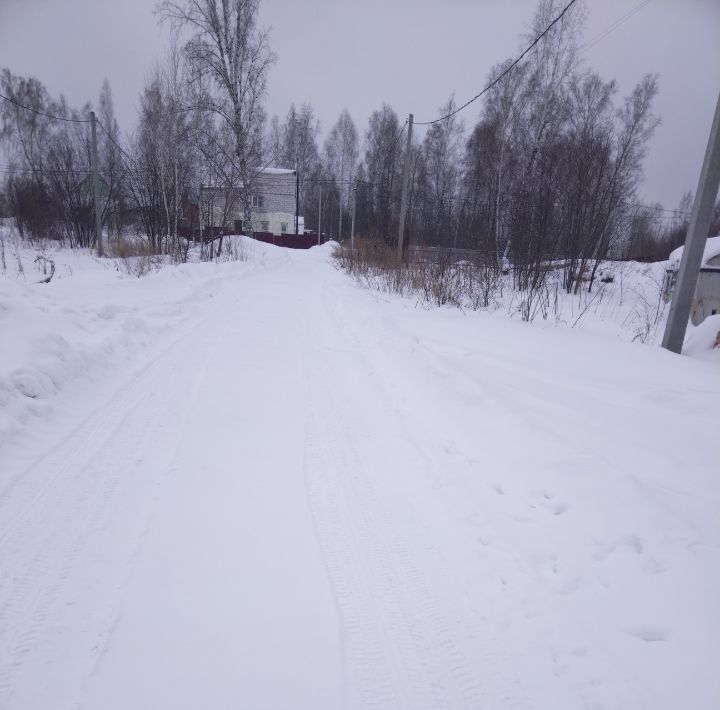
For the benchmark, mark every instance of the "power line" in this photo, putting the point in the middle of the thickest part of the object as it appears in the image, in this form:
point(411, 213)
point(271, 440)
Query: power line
point(505, 73)
point(399, 136)
point(611, 28)
point(332, 181)
point(654, 208)
point(132, 160)
point(113, 141)
point(43, 171)
point(42, 113)
point(583, 48)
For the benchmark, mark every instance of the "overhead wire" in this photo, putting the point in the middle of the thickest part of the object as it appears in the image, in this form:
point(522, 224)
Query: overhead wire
point(654, 208)
point(331, 181)
point(113, 141)
point(501, 76)
point(583, 48)
point(43, 113)
point(399, 136)
point(44, 171)
point(615, 25)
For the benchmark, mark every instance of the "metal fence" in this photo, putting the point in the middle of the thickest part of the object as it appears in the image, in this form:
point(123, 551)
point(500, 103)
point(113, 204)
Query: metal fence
point(450, 255)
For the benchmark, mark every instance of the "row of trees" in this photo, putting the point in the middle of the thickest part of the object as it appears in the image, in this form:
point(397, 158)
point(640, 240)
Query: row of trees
point(46, 179)
point(550, 168)
point(654, 231)
point(201, 123)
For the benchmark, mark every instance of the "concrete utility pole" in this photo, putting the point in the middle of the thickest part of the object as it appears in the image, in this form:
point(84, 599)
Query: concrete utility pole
point(297, 177)
point(352, 223)
point(96, 184)
point(695, 241)
point(405, 186)
point(340, 194)
point(297, 197)
point(320, 212)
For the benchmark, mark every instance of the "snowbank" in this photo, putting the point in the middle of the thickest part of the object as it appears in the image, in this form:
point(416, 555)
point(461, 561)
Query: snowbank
point(712, 249)
point(702, 340)
point(91, 318)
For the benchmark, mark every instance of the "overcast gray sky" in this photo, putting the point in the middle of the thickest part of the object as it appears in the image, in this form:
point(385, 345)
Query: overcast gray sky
point(410, 53)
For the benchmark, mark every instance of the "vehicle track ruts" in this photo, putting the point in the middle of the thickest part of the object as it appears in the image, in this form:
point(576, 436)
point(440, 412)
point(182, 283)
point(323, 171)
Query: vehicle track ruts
point(400, 642)
point(64, 522)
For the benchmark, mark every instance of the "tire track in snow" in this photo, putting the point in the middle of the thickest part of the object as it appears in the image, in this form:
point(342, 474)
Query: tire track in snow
point(362, 639)
point(170, 466)
point(392, 619)
point(68, 521)
point(399, 641)
point(89, 437)
point(89, 434)
point(64, 521)
point(373, 351)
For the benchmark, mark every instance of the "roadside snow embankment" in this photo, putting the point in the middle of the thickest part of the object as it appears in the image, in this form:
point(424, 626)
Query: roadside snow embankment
point(703, 340)
point(90, 319)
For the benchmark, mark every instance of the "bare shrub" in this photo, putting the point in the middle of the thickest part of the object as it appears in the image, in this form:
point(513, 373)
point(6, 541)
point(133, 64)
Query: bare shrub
point(18, 257)
point(431, 275)
point(45, 263)
point(482, 284)
point(647, 315)
point(592, 299)
point(133, 257)
point(233, 250)
point(534, 294)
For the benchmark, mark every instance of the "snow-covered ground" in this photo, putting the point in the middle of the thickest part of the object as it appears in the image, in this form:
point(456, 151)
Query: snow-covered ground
point(255, 484)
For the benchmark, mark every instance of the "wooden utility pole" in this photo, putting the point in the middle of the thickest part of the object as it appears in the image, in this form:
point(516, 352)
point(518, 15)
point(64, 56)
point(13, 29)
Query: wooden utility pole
point(96, 184)
point(695, 241)
point(405, 188)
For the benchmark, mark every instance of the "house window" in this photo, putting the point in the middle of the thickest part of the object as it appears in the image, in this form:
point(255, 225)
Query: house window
point(283, 227)
point(258, 201)
point(264, 226)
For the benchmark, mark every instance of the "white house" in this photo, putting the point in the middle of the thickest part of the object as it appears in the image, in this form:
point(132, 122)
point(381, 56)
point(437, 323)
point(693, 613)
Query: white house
point(272, 201)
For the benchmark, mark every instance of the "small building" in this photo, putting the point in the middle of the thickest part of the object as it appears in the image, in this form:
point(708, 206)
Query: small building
point(273, 205)
point(706, 301)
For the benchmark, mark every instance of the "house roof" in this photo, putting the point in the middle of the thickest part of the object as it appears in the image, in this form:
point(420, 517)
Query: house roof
point(712, 249)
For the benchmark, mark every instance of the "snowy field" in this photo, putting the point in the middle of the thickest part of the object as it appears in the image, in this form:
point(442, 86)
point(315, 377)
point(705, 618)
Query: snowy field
point(255, 484)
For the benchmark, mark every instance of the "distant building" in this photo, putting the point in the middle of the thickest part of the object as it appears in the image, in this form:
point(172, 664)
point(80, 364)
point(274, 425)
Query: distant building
point(706, 301)
point(272, 203)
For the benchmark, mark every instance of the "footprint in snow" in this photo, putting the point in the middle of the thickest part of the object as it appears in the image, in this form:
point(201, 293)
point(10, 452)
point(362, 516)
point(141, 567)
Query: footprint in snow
point(649, 634)
point(634, 543)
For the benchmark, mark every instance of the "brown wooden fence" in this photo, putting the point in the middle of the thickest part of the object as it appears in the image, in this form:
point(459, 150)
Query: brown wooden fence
point(291, 241)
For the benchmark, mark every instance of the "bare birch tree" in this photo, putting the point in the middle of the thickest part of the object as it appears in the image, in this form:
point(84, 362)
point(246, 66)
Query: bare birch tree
point(341, 153)
point(227, 43)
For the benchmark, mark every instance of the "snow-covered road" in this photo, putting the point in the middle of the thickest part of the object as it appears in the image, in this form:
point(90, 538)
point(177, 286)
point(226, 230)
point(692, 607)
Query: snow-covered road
point(306, 495)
